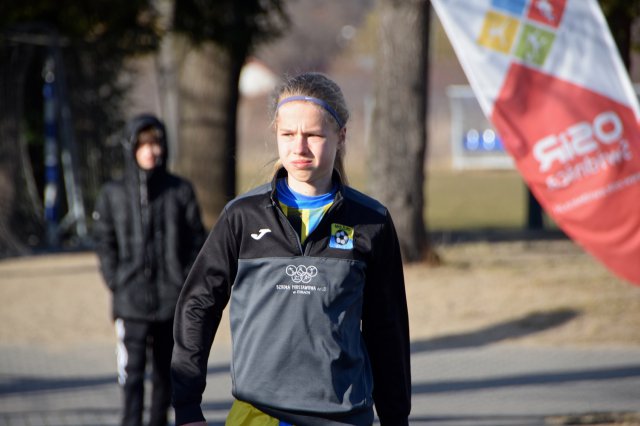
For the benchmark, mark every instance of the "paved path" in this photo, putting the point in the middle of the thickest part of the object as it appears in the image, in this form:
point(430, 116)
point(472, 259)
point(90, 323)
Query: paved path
point(489, 385)
point(486, 385)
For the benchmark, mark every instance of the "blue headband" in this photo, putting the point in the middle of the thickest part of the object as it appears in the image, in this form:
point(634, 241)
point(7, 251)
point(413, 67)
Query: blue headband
point(316, 101)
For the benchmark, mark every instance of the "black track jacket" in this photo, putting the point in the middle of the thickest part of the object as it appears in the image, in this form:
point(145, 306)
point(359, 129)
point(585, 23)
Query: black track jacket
point(320, 331)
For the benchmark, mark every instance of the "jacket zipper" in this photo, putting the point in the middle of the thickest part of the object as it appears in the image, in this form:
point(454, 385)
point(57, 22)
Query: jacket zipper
point(284, 218)
point(144, 217)
point(145, 213)
point(304, 251)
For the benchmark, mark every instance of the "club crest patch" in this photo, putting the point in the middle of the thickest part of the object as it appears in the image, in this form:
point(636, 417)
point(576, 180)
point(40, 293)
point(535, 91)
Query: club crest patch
point(341, 237)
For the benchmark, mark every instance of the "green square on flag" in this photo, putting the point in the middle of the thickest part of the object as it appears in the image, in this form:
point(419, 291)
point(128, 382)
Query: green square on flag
point(534, 45)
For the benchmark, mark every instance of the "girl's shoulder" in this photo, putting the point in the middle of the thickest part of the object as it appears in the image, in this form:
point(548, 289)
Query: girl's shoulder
point(364, 200)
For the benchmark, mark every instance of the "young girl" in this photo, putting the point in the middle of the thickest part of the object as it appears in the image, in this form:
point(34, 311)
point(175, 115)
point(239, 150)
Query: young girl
point(314, 274)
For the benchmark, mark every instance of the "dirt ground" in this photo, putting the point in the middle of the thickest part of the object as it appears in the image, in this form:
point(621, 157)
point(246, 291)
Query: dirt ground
point(525, 292)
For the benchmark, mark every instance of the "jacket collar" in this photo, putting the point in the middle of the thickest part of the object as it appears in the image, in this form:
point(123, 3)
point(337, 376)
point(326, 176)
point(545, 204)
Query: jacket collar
point(282, 173)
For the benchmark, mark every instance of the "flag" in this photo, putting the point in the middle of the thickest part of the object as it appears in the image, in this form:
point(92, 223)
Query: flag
point(548, 76)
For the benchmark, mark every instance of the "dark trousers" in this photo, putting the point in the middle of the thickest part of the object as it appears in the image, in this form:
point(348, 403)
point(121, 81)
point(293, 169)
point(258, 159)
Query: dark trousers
point(136, 341)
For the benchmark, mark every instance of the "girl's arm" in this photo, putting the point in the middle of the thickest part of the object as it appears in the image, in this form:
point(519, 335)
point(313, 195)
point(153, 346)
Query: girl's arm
point(385, 328)
point(198, 312)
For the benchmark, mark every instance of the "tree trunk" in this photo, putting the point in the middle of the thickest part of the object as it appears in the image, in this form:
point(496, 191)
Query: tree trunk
point(398, 144)
point(170, 54)
point(15, 219)
point(208, 90)
point(620, 16)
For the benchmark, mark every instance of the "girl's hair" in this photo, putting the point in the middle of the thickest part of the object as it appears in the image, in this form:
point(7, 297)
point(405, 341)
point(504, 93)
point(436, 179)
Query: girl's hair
point(319, 86)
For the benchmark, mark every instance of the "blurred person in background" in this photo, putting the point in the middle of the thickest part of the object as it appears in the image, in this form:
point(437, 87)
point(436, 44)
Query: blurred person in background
point(148, 232)
point(313, 272)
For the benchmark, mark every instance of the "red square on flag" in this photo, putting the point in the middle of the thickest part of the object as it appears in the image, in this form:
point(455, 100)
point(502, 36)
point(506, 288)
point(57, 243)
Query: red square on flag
point(548, 12)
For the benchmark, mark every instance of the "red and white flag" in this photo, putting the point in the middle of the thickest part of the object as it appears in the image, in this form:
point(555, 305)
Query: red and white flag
point(548, 76)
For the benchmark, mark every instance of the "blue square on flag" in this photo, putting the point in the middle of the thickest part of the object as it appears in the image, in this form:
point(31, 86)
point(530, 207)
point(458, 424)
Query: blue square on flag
point(514, 7)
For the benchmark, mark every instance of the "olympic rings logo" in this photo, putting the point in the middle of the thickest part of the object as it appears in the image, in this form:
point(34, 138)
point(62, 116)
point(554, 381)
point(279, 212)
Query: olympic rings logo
point(301, 273)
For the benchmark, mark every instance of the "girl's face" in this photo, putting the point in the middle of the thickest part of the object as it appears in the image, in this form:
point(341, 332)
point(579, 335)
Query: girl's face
point(307, 146)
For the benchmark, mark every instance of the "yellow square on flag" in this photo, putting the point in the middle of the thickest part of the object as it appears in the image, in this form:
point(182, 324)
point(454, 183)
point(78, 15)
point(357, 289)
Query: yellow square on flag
point(498, 32)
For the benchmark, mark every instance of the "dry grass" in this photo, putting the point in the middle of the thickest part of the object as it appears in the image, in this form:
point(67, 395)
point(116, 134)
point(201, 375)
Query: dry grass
point(542, 293)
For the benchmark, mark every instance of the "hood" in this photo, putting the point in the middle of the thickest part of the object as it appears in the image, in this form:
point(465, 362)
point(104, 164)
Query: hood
point(133, 128)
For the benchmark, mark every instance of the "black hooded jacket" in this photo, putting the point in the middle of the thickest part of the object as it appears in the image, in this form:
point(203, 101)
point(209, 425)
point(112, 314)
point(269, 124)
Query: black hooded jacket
point(148, 231)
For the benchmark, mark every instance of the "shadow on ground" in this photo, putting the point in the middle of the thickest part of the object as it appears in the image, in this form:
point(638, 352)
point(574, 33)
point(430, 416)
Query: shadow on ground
point(533, 323)
point(535, 379)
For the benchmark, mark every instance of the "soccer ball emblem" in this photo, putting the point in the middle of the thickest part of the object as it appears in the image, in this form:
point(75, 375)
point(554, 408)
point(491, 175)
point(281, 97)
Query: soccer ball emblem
point(342, 237)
